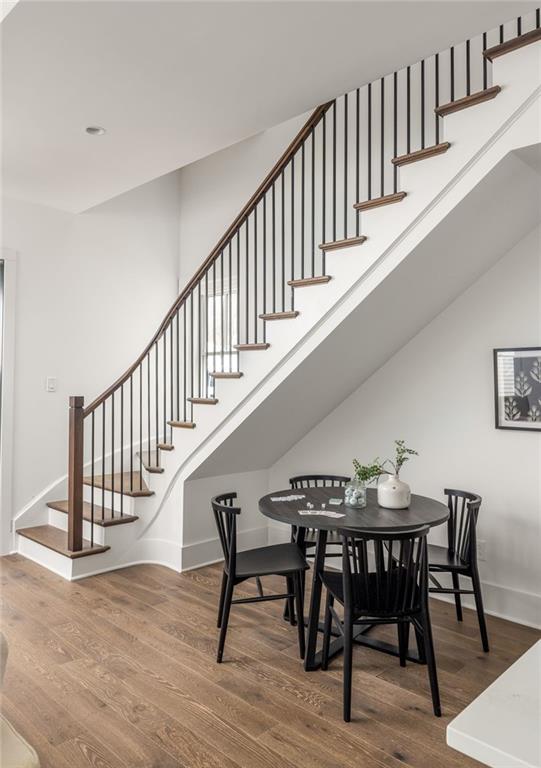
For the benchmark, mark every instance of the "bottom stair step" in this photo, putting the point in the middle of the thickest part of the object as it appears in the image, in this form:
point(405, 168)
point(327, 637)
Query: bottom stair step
point(57, 540)
point(108, 519)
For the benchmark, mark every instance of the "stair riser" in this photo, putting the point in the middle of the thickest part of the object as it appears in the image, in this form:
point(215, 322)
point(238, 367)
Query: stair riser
point(60, 520)
point(111, 500)
point(46, 557)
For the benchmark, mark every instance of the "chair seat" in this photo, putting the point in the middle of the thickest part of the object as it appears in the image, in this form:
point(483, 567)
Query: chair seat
point(439, 558)
point(277, 559)
point(333, 581)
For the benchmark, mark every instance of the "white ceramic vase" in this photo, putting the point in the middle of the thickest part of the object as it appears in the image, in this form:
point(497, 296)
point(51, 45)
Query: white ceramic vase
point(393, 493)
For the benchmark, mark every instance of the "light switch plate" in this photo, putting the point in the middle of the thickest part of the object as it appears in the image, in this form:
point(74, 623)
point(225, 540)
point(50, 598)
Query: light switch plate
point(50, 384)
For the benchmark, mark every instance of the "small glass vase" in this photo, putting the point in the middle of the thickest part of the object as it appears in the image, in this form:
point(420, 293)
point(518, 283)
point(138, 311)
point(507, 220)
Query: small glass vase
point(355, 494)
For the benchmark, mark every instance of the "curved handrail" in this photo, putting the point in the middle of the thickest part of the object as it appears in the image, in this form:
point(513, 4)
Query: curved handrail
point(265, 185)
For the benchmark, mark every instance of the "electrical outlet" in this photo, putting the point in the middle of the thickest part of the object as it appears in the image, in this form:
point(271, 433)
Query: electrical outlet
point(50, 384)
point(481, 550)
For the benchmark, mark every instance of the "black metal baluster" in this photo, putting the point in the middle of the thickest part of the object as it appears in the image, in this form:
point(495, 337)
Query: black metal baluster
point(222, 310)
point(313, 200)
point(103, 461)
point(283, 274)
point(238, 290)
point(178, 370)
point(369, 140)
point(113, 452)
point(148, 417)
point(333, 171)
point(164, 395)
point(247, 286)
point(501, 33)
point(408, 110)
point(122, 449)
point(205, 331)
point(255, 275)
point(437, 95)
point(184, 393)
point(395, 130)
point(485, 63)
point(214, 313)
point(357, 156)
point(519, 26)
point(382, 128)
point(92, 480)
point(171, 369)
point(452, 71)
point(273, 249)
point(423, 104)
point(191, 355)
point(131, 432)
point(302, 210)
point(156, 384)
point(345, 165)
point(141, 422)
point(264, 264)
point(468, 68)
point(199, 356)
point(292, 228)
point(538, 18)
point(323, 184)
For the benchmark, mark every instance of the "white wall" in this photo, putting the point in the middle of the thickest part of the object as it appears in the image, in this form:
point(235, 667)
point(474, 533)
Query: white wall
point(215, 189)
point(437, 394)
point(91, 290)
point(200, 543)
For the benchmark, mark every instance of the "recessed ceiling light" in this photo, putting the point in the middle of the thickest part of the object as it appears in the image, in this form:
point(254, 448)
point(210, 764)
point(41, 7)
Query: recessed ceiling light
point(95, 130)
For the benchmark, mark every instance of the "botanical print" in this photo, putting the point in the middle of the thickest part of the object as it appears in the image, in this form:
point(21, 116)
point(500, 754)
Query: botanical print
point(519, 388)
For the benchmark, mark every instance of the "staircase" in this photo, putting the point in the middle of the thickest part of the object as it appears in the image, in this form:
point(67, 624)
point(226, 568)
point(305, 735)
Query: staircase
point(365, 180)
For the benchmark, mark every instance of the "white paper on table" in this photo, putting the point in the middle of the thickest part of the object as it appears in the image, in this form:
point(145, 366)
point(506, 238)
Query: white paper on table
point(291, 497)
point(322, 513)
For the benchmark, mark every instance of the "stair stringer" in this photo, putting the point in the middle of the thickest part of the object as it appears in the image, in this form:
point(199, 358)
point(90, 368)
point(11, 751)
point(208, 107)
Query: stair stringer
point(480, 138)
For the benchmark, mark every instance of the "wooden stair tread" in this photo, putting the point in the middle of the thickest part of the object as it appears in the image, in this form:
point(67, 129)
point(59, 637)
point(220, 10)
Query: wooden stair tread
point(151, 466)
point(377, 202)
point(421, 154)
point(166, 446)
point(349, 241)
point(108, 519)
point(226, 374)
point(468, 101)
point(203, 400)
point(290, 315)
point(182, 424)
point(121, 483)
point(512, 45)
point(303, 282)
point(251, 347)
point(57, 540)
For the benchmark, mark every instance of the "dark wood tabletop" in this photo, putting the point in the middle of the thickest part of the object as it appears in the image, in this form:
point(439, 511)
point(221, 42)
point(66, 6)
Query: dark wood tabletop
point(422, 511)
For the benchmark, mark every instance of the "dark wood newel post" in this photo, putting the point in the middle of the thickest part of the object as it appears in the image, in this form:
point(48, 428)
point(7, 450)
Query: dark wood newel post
point(75, 474)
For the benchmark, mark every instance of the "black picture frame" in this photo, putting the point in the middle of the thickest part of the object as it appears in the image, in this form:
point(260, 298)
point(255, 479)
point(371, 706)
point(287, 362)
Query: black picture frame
point(517, 388)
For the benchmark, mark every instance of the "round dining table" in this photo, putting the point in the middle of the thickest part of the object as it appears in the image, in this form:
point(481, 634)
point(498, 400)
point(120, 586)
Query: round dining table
point(422, 511)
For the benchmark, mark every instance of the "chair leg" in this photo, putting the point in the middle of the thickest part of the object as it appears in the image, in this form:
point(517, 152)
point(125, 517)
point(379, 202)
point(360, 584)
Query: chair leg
point(290, 600)
point(479, 606)
point(300, 613)
point(431, 662)
point(403, 641)
point(348, 664)
point(225, 618)
point(458, 602)
point(419, 639)
point(327, 631)
point(222, 596)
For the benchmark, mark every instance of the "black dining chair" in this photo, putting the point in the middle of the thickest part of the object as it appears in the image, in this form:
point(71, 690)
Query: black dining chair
point(386, 586)
point(277, 560)
point(459, 557)
point(317, 481)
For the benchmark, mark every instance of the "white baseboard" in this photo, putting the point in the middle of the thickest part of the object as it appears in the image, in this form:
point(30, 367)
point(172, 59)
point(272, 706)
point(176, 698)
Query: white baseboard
point(208, 551)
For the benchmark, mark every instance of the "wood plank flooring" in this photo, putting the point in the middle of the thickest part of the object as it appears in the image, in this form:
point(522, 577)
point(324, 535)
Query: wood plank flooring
point(118, 671)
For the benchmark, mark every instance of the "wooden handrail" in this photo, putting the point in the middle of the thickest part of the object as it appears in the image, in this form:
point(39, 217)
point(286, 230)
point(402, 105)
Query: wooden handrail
point(265, 185)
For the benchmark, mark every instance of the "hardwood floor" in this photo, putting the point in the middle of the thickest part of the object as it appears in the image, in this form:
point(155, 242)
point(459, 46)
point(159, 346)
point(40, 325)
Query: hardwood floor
point(119, 671)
